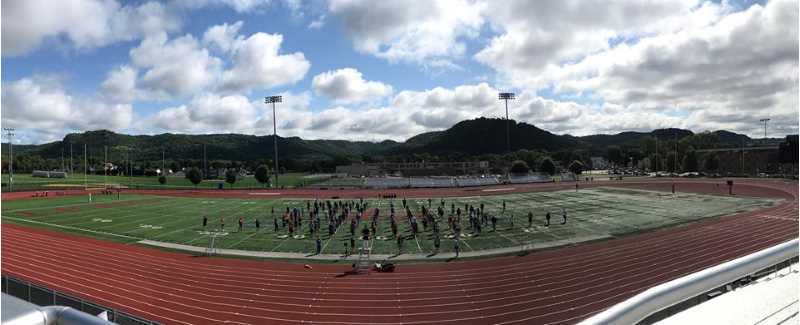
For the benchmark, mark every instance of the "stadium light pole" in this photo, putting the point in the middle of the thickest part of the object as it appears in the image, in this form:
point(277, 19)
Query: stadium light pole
point(85, 169)
point(506, 97)
point(272, 100)
point(765, 120)
point(10, 134)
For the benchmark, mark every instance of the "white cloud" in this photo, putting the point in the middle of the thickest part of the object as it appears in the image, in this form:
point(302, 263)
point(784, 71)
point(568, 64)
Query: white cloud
point(223, 37)
point(205, 113)
point(240, 6)
point(317, 23)
point(538, 34)
point(348, 86)
point(411, 31)
point(40, 108)
point(120, 85)
point(177, 67)
point(258, 64)
point(724, 75)
point(184, 66)
point(214, 113)
point(86, 24)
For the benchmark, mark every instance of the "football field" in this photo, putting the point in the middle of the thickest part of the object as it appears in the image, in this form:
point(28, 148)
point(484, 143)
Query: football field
point(591, 214)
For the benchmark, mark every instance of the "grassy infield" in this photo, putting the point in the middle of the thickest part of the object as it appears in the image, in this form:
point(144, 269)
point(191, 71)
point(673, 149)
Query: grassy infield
point(591, 213)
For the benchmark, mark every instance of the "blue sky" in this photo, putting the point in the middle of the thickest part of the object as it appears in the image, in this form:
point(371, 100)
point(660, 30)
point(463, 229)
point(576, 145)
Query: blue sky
point(365, 70)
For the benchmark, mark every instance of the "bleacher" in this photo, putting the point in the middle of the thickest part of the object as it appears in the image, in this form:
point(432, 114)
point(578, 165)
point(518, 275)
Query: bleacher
point(341, 182)
point(476, 181)
point(427, 182)
point(386, 182)
point(531, 178)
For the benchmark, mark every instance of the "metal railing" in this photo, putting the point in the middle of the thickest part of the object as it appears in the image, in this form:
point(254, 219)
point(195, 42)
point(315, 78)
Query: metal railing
point(662, 296)
point(42, 296)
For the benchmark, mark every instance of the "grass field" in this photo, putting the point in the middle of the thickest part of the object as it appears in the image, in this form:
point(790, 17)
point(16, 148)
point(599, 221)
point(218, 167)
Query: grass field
point(592, 213)
point(27, 182)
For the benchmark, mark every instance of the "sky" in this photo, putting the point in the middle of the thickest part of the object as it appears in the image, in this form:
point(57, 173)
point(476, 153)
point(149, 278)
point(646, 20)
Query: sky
point(376, 70)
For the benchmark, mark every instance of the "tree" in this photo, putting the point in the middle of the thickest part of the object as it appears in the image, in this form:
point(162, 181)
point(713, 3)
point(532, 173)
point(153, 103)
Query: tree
point(519, 167)
point(230, 176)
point(194, 175)
point(262, 174)
point(162, 180)
point(576, 167)
point(655, 162)
point(615, 155)
point(711, 163)
point(672, 162)
point(548, 166)
point(690, 161)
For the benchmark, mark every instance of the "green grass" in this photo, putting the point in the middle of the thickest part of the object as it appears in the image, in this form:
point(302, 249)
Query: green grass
point(592, 213)
point(27, 182)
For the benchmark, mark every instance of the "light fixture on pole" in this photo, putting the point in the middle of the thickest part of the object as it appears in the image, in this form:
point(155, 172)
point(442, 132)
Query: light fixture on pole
point(765, 120)
point(10, 134)
point(506, 97)
point(272, 100)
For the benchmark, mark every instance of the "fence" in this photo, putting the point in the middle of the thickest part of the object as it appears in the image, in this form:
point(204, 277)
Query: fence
point(665, 295)
point(42, 296)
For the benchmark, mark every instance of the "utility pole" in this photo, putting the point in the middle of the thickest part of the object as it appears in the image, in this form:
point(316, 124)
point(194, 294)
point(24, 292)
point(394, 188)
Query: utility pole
point(675, 158)
point(205, 167)
point(658, 156)
point(10, 135)
point(272, 100)
point(130, 169)
point(741, 168)
point(163, 171)
point(85, 169)
point(765, 120)
point(62, 158)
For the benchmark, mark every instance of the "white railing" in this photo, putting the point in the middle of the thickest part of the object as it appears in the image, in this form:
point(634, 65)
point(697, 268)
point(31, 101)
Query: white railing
point(652, 300)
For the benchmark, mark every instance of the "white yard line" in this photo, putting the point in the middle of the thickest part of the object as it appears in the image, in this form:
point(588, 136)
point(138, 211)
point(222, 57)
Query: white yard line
point(506, 237)
point(243, 239)
point(71, 228)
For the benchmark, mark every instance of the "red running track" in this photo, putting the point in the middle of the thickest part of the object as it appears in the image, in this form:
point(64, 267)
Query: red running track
point(559, 286)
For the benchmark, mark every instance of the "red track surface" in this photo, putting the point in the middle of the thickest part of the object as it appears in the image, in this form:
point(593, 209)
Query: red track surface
point(548, 287)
